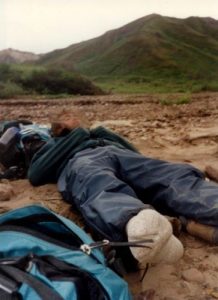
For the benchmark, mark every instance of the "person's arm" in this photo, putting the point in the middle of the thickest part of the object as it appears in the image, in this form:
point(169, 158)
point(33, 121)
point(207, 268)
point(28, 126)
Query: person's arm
point(46, 162)
point(101, 132)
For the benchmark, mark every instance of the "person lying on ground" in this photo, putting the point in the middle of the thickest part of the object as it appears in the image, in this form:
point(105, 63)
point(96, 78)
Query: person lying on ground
point(121, 194)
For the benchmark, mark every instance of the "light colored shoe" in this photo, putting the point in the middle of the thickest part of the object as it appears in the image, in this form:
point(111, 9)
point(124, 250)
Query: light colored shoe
point(149, 224)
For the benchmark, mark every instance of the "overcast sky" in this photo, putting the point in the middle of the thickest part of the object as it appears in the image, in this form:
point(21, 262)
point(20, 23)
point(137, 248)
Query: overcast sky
point(44, 25)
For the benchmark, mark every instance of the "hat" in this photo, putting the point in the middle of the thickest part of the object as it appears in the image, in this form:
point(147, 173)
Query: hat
point(171, 251)
point(149, 224)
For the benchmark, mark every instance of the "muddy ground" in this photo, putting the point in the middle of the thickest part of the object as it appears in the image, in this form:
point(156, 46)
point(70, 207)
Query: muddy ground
point(185, 133)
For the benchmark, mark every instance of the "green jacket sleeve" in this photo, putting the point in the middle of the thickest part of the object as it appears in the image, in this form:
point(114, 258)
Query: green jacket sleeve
point(51, 158)
point(46, 162)
point(101, 132)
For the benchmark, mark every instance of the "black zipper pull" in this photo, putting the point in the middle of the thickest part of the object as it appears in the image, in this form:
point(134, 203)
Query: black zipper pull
point(87, 248)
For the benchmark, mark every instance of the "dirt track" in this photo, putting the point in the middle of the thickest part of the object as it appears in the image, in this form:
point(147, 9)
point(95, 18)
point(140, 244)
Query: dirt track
point(185, 133)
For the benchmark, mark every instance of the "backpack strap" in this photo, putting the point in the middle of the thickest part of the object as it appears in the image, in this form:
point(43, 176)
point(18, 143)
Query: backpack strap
point(17, 277)
point(6, 296)
point(8, 288)
point(53, 269)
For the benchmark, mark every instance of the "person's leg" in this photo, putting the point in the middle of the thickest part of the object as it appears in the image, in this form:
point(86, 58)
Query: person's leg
point(171, 188)
point(92, 182)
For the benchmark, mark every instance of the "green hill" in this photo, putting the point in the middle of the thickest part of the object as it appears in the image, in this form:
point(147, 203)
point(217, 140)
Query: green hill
point(153, 52)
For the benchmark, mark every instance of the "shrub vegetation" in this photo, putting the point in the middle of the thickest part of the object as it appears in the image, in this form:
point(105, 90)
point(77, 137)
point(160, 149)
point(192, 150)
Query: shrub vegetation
point(16, 80)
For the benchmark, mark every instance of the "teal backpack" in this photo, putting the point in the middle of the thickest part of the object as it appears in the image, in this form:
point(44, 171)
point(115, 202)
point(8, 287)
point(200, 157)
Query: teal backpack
point(46, 256)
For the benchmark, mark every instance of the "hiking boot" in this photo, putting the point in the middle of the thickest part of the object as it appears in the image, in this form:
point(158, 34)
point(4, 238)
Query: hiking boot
point(205, 232)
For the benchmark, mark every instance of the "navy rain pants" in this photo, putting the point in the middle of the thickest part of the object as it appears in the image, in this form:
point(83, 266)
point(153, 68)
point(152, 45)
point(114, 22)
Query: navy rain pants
point(109, 185)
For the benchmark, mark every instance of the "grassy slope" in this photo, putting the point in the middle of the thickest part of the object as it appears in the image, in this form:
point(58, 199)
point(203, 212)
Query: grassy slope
point(151, 53)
